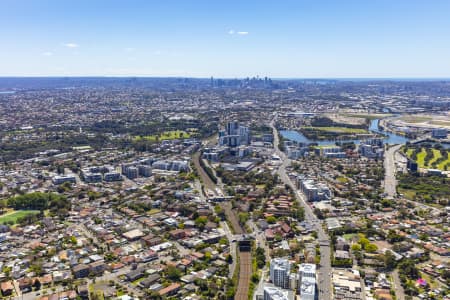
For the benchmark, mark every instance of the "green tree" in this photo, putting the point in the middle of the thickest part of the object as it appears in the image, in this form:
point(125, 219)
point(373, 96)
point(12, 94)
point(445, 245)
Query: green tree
point(271, 219)
point(370, 247)
point(173, 273)
point(389, 260)
point(201, 221)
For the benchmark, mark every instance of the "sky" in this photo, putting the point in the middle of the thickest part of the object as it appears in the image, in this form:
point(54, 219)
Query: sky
point(196, 38)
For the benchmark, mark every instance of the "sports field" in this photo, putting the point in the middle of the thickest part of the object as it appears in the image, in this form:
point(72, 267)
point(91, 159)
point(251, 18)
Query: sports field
point(167, 135)
point(14, 215)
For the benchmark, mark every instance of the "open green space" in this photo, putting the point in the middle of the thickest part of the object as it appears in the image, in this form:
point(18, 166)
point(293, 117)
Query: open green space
point(166, 135)
point(436, 155)
point(342, 179)
point(338, 129)
point(15, 215)
point(409, 152)
point(433, 190)
point(349, 236)
point(416, 119)
point(421, 158)
point(368, 116)
point(435, 162)
point(153, 211)
point(440, 123)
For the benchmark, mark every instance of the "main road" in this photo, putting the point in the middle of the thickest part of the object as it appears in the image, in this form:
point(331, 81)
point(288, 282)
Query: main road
point(324, 280)
point(390, 182)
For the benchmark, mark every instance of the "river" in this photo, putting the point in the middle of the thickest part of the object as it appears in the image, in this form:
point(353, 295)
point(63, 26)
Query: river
point(390, 138)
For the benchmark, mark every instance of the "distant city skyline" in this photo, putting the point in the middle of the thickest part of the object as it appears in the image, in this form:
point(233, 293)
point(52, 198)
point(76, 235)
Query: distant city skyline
point(226, 39)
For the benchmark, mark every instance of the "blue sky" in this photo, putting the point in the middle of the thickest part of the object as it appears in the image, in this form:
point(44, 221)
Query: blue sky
point(315, 38)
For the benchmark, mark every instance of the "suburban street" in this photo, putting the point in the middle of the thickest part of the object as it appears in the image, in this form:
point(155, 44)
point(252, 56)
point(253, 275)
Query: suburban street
point(399, 292)
point(324, 282)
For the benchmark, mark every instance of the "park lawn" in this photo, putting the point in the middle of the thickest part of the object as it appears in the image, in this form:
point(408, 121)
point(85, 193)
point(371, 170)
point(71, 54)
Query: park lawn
point(368, 116)
point(136, 282)
point(442, 165)
point(14, 215)
point(409, 152)
point(436, 156)
point(337, 129)
point(349, 236)
point(409, 194)
point(166, 135)
point(342, 179)
point(153, 211)
point(440, 123)
point(421, 158)
point(416, 119)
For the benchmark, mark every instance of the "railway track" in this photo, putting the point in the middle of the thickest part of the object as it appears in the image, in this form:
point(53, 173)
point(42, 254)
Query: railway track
point(245, 272)
point(245, 257)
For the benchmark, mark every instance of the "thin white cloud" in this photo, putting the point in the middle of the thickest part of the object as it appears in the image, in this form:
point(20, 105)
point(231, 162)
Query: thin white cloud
point(231, 31)
point(242, 32)
point(47, 53)
point(71, 45)
point(130, 49)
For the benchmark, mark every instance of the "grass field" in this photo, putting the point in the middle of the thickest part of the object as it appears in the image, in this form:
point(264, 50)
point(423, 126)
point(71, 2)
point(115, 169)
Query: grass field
point(153, 211)
point(440, 123)
point(342, 179)
point(14, 215)
point(409, 194)
point(349, 236)
point(368, 116)
point(416, 119)
point(338, 129)
point(167, 135)
point(421, 159)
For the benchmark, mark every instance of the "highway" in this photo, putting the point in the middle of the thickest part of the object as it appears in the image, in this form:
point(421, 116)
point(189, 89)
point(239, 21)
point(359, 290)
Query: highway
point(324, 281)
